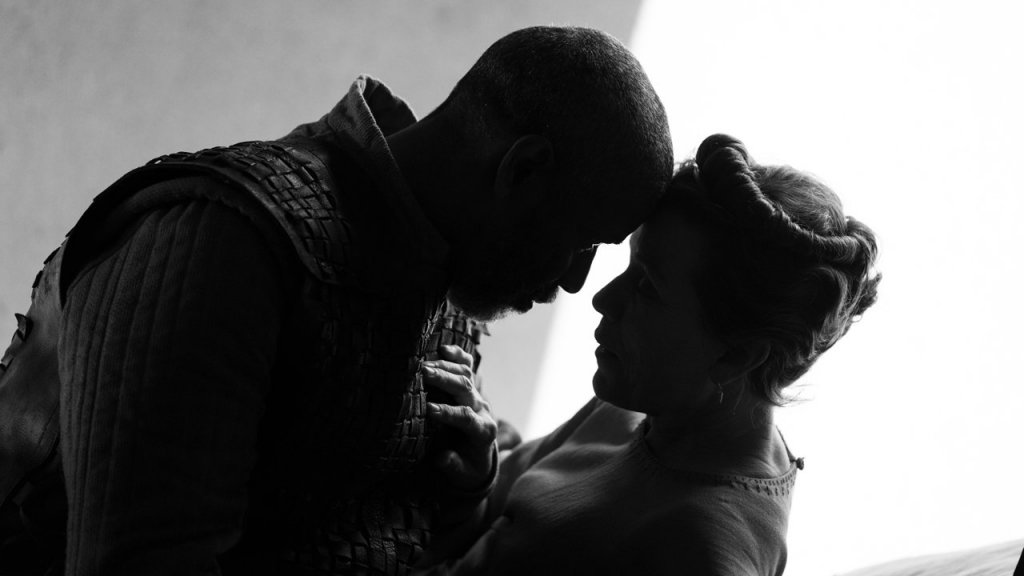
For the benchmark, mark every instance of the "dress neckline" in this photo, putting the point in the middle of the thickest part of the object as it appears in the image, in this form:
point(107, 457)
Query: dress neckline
point(778, 485)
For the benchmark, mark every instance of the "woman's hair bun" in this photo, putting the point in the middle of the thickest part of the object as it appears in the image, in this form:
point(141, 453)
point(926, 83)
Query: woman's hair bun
point(716, 142)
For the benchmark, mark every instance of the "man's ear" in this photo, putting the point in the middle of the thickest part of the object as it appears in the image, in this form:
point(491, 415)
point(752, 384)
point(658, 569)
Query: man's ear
point(525, 170)
point(739, 360)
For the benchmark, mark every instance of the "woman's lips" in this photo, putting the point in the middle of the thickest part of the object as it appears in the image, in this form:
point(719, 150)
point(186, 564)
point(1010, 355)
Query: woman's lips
point(602, 351)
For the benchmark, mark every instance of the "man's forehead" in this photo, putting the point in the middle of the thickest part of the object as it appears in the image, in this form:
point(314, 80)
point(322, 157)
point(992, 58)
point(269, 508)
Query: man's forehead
point(622, 218)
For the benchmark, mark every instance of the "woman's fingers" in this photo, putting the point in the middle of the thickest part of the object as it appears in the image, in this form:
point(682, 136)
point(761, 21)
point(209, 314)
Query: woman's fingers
point(454, 379)
point(469, 470)
point(451, 367)
point(480, 428)
point(456, 354)
point(457, 470)
point(468, 458)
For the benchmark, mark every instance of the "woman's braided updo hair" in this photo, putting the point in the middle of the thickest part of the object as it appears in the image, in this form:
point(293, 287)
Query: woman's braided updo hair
point(784, 265)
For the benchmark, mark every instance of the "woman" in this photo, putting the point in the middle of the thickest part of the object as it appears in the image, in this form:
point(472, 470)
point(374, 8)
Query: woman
point(742, 278)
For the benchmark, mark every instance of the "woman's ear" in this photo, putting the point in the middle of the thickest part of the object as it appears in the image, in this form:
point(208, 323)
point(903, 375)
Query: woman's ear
point(739, 360)
point(526, 170)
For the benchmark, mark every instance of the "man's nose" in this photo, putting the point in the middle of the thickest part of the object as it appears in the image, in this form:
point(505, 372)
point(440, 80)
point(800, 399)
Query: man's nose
point(576, 274)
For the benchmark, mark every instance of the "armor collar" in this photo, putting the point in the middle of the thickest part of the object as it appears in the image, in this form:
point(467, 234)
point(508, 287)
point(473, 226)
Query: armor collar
point(360, 124)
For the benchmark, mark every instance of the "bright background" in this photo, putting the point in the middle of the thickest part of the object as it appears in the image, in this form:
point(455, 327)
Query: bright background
point(912, 111)
point(910, 427)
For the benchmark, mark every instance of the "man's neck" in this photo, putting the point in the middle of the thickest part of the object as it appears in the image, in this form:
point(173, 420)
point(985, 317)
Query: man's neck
point(425, 157)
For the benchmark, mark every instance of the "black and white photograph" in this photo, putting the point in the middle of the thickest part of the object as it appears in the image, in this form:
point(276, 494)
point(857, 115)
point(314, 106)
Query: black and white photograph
point(530, 287)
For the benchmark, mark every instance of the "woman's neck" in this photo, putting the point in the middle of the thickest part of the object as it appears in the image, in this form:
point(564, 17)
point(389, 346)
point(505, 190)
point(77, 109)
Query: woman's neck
point(740, 442)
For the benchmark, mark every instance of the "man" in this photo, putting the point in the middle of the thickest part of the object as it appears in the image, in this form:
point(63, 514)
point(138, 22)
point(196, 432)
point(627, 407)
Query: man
point(242, 328)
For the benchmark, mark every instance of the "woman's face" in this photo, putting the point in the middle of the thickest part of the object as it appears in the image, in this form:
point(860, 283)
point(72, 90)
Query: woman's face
point(654, 354)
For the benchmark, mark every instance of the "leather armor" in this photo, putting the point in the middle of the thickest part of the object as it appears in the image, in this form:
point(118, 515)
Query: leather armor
point(340, 486)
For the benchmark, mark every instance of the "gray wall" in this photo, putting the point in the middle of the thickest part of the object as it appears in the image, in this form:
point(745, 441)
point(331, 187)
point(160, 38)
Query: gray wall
point(89, 89)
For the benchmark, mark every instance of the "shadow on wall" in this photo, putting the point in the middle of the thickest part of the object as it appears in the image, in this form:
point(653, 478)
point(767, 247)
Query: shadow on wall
point(92, 88)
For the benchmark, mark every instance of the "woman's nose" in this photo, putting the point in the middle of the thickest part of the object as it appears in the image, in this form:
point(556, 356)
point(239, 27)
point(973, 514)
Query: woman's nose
point(605, 301)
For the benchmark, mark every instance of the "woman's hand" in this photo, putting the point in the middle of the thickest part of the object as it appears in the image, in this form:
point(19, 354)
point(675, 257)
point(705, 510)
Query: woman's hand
point(469, 459)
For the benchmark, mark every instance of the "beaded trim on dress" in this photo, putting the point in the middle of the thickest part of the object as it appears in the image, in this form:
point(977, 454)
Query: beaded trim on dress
point(778, 486)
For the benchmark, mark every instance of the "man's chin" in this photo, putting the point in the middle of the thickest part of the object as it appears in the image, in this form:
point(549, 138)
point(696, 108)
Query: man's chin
point(492, 312)
point(545, 295)
point(488, 311)
point(524, 304)
point(479, 310)
point(522, 307)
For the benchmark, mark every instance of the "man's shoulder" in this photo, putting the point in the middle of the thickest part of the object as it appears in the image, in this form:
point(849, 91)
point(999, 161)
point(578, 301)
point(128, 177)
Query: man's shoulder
point(100, 231)
point(282, 189)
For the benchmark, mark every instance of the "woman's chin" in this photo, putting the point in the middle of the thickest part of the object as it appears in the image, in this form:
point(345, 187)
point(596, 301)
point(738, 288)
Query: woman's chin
point(601, 385)
point(609, 388)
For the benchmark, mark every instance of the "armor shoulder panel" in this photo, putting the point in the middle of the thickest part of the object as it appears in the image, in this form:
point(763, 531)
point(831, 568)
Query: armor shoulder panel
point(289, 183)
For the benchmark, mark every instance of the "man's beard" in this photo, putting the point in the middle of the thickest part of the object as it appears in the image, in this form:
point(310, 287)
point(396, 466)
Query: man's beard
point(489, 283)
point(490, 307)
